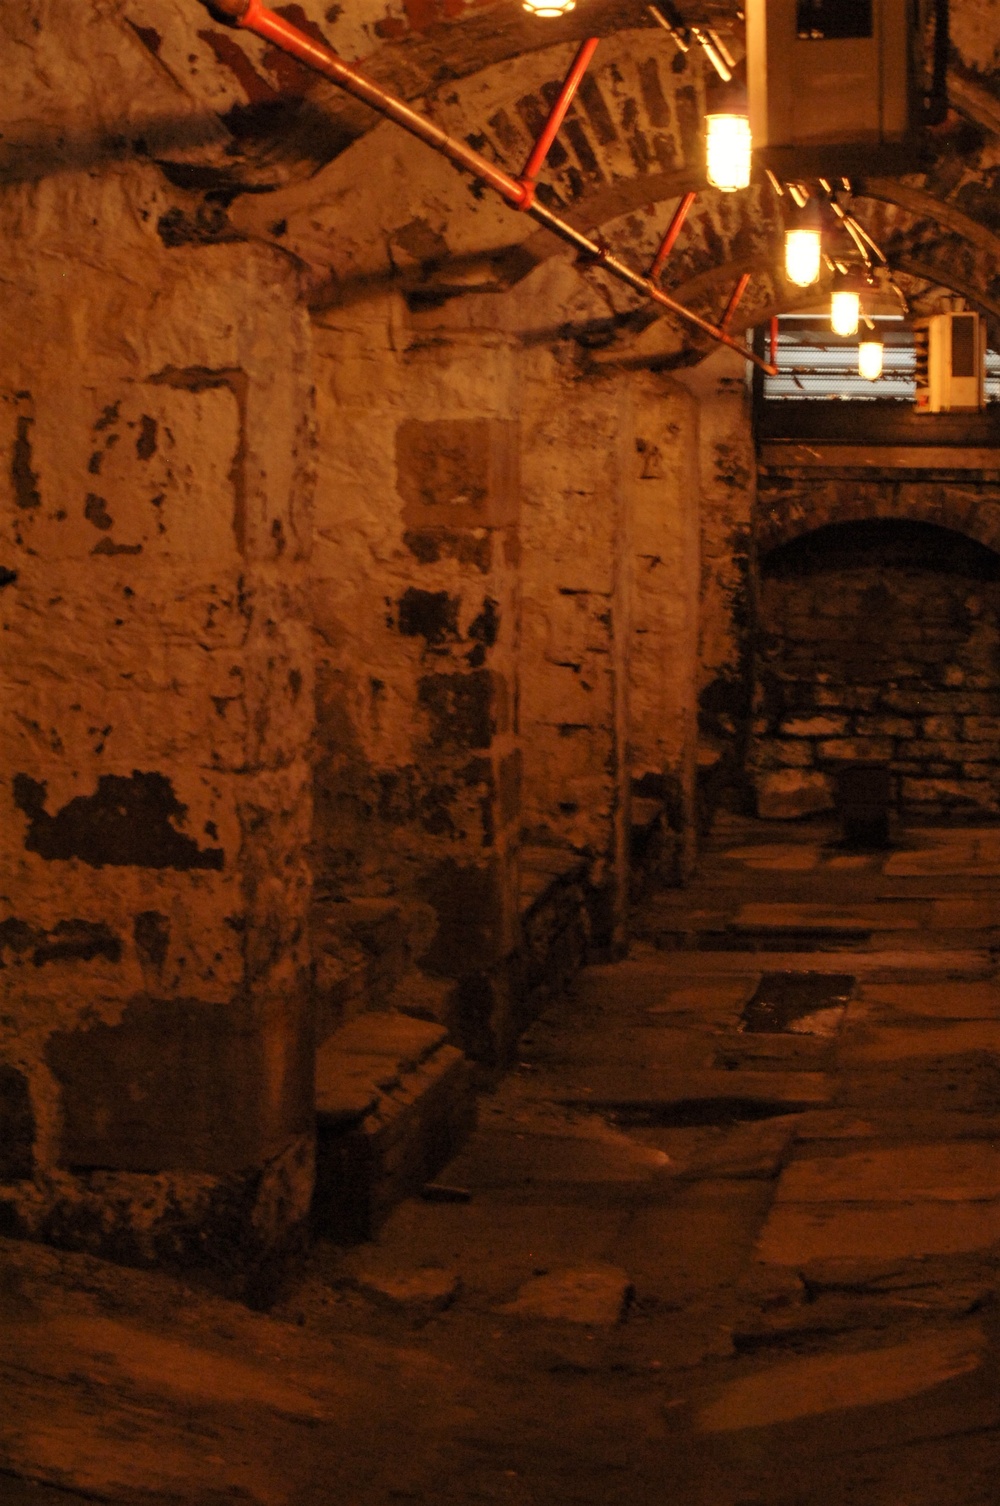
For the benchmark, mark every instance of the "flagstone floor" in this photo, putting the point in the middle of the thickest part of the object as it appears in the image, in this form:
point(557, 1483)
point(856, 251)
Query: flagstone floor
point(727, 1235)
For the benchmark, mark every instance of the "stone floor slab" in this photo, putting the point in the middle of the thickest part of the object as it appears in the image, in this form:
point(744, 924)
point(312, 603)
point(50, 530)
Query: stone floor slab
point(832, 1382)
point(889, 916)
point(961, 1172)
point(594, 1295)
point(927, 1040)
point(954, 1000)
point(797, 1232)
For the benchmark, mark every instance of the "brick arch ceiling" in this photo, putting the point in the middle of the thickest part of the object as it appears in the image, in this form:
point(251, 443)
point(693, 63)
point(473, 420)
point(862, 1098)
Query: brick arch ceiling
point(799, 509)
point(487, 72)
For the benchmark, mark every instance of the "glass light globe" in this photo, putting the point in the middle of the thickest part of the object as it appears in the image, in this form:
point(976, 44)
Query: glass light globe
point(845, 311)
point(802, 257)
point(727, 151)
point(548, 8)
point(870, 359)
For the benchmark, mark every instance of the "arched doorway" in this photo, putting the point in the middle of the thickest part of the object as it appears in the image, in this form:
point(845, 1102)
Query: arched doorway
point(879, 641)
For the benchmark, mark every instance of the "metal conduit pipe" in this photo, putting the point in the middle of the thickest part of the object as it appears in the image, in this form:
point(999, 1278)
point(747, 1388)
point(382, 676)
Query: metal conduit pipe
point(254, 16)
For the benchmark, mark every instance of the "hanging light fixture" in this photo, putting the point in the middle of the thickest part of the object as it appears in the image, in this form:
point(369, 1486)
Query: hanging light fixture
point(548, 8)
point(870, 354)
point(845, 304)
point(728, 144)
point(804, 246)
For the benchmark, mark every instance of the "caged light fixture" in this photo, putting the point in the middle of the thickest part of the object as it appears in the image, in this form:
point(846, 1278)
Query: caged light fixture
point(728, 143)
point(548, 8)
point(845, 303)
point(870, 353)
point(804, 246)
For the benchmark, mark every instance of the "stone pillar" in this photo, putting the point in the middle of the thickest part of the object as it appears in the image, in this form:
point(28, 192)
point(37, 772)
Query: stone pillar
point(417, 618)
point(575, 624)
point(728, 475)
point(664, 488)
point(155, 1044)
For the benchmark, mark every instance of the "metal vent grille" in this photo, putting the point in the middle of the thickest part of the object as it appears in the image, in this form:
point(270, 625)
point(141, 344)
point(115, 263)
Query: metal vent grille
point(814, 364)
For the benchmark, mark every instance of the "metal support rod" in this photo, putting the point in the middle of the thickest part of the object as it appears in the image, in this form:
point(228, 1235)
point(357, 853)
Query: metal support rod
point(681, 39)
point(711, 51)
point(254, 16)
point(557, 114)
point(673, 231)
point(734, 300)
point(625, 273)
point(852, 230)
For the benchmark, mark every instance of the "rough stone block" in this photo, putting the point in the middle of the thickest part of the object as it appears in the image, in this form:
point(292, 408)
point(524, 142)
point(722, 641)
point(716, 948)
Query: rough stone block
point(885, 726)
point(950, 793)
point(784, 794)
point(945, 728)
point(458, 473)
point(814, 726)
point(858, 749)
point(974, 727)
point(791, 753)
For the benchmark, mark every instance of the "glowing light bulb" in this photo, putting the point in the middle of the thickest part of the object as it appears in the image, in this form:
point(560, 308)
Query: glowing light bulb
point(802, 256)
point(870, 359)
point(548, 8)
point(728, 149)
point(845, 311)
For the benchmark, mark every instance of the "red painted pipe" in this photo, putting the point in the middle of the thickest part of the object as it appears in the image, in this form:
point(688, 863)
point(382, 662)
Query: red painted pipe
point(254, 16)
point(673, 231)
point(557, 114)
point(734, 300)
point(774, 345)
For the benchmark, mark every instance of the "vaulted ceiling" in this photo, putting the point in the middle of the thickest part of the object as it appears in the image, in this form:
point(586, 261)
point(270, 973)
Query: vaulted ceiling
point(251, 144)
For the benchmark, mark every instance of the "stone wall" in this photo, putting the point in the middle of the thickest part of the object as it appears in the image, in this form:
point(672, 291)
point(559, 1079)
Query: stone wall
point(155, 788)
point(880, 642)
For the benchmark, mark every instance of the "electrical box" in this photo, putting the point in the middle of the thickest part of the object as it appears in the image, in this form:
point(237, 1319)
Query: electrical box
point(951, 363)
point(835, 87)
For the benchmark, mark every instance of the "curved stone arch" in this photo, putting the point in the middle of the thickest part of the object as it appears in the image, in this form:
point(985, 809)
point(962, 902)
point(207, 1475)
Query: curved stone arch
point(802, 506)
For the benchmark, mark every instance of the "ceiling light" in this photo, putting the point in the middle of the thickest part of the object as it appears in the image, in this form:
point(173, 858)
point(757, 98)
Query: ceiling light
point(803, 250)
point(845, 303)
point(727, 151)
point(727, 136)
point(870, 359)
point(548, 8)
point(804, 245)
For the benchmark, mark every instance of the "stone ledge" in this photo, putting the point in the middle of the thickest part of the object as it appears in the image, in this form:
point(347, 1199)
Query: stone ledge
point(377, 1144)
point(367, 1057)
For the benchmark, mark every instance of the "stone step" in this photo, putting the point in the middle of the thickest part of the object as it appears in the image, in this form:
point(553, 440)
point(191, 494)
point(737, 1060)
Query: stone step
point(394, 1102)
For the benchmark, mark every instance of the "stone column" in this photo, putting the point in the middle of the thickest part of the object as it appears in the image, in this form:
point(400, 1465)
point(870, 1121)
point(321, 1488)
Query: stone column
point(155, 1039)
point(417, 619)
point(664, 487)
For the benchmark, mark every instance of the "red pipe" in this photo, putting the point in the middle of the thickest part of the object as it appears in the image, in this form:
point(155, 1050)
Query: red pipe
point(254, 16)
point(734, 300)
point(774, 344)
point(557, 114)
point(673, 231)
